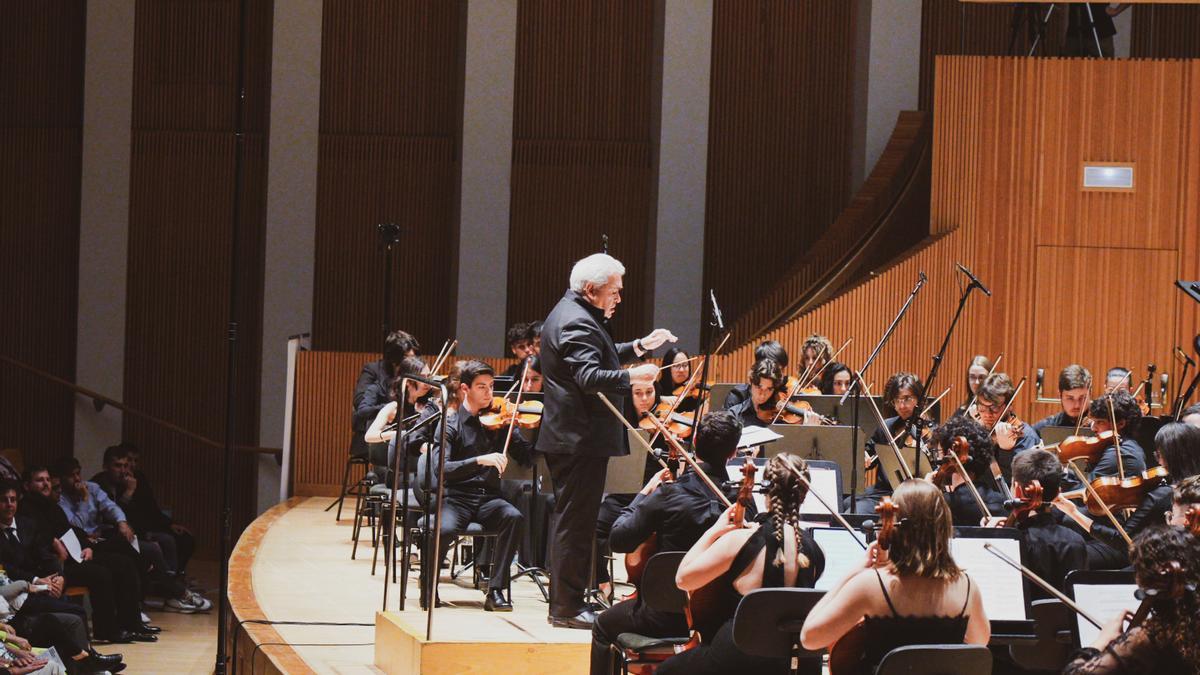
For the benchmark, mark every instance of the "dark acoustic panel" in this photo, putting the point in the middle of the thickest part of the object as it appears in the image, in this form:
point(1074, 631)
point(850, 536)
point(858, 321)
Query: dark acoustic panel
point(1166, 32)
point(41, 115)
point(780, 139)
point(181, 222)
point(583, 151)
point(390, 133)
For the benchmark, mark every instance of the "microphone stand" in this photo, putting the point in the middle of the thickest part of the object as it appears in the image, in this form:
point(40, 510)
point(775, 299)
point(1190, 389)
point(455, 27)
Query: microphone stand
point(718, 322)
point(856, 390)
point(915, 422)
point(389, 234)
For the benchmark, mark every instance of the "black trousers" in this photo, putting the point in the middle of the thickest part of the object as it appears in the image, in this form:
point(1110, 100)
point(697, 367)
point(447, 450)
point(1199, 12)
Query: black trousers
point(495, 515)
point(65, 631)
point(630, 616)
point(578, 487)
point(720, 655)
point(113, 588)
point(610, 510)
point(177, 548)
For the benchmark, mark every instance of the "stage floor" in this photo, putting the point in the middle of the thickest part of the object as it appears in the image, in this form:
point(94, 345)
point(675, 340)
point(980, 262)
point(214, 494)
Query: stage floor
point(302, 571)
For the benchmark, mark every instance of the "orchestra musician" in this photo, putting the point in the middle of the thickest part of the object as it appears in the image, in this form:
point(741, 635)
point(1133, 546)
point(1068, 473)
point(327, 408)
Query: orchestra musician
point(416, 406)
point(1117, 378)
point(768, 349)
point(909, 594)
point(676, 512)
point(520, 345)
point(475, 458)
point(532, 384)
point(373, 385)
point(1166, 641)
point(1127, 413)
point(1191, 415)
point(674, 378)
point(578, 434)
point(977, 371)
point(778, 553)
point(764, 383)
point(816, 350)
point(835, 379)
point(1074, 392)
point(1051, 549)
point(901, 393)
point(1008, 437)
point(1178, 448)
point(978, 465)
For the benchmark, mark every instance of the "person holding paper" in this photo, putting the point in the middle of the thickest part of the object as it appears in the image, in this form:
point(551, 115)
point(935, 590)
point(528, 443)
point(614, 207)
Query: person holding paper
point(912, 593)
point(743, 558)
point(1166, 642)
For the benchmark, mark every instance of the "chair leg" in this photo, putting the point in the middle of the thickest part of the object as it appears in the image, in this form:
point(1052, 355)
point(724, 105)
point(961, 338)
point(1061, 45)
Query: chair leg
point(355, 531)
point(359, 491)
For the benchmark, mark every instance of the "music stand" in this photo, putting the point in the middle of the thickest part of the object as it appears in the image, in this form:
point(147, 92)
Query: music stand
point(1101, 593)
point(829, 443)
point(1054, 435)
point(889, 465)
point(717, 394)
point(1001, 586)
point(831, 406)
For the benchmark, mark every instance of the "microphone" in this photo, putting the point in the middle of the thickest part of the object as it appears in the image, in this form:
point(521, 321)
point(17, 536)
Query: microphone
point(718, 320)
point(975, 280)
point(1183, 355)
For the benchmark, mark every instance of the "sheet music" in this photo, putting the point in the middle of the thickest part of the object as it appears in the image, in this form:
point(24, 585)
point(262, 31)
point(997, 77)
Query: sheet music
point(757, 436)
point(1001, 585)
point(1103, 602)
point(841, 554)
point(71, 542)
point(824, 482)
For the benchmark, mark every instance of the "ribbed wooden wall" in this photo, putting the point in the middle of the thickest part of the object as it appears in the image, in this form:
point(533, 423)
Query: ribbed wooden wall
point(41, 114)
point(1166, 31)
point(955, 27)
point(390, 131)
point(180, 236)
point(584, 148)
point(1076, 276)
point(780, 139)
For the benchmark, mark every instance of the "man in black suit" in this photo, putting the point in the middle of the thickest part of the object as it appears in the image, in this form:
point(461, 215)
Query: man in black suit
point(373, 385)
point(578, 433)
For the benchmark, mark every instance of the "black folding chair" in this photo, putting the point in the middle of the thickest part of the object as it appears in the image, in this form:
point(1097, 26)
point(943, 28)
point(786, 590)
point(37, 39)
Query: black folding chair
point(937, 660)
point(659, 592)
point(767, 623)
point(1052, 624)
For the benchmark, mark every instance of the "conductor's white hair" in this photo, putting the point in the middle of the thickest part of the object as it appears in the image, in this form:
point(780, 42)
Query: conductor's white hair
point(596, 269)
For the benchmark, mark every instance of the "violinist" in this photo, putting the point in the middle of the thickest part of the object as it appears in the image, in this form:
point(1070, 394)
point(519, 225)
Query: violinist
point(674, 378)
point(816, 350)
point(1166, 559)
point(769, 349)
point(1184, 496)
point(475, 458)
point(676, 513)
point(416, 407)
point(912, 593)
point(532, 384)
point(835, 380)
point(977, 371)
point(978, 465)
point(371, 389)
point(1074, 391)
point(1191, 415)
point(764, 383)
point(1127, 413)
point(901, 393)
point(743, 558)
point(1051, 550)
point(1008, 437)
point(535, 337)
point(1178, 448)
point(1117, 378)
point(520, 345)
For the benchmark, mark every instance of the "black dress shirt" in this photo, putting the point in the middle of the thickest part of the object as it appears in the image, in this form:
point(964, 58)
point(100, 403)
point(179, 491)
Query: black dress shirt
point(746, 412)
point(467, 440)
point(1059, 419)
point(965, 509)
point(1051, 550)
point(737, 395)
point(1133, 460)
point(1149, 513)
point(679, 513)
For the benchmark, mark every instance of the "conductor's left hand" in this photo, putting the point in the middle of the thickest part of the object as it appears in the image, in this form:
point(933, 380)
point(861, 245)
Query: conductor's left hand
point(657, 338)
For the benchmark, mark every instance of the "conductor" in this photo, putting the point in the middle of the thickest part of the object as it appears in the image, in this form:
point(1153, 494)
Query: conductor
point(578, 433)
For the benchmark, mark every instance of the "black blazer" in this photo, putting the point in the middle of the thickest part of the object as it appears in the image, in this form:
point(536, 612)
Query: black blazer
point(579, 359)
point(28, 558)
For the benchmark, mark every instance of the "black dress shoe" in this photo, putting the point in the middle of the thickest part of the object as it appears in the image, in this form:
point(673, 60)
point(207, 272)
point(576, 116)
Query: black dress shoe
point(147, 628)
point(139, 636)
point(583, 620)
point(496, 602)
point(119, 637)
point(96, 663)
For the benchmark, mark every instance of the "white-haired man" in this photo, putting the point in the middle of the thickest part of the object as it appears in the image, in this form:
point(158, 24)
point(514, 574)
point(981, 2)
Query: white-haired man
point(578, 433)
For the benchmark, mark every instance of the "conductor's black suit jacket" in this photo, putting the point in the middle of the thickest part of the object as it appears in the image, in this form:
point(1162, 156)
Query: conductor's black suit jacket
point(579, 359)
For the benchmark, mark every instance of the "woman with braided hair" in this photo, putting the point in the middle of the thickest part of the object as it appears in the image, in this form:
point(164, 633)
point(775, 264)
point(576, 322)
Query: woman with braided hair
point(776, 554)
point(1166, 642)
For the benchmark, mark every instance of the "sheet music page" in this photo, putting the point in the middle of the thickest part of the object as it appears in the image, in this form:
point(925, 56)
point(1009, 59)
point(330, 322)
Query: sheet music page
point(841, 554)
point(824, 482)
point(1002, 586)
point(71, 542)
point(1103, 602)
point(752, 436)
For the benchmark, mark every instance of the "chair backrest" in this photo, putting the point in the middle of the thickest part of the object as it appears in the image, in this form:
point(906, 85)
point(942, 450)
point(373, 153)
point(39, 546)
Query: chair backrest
point(658, 589)
point(767, 622)
point(937, 660)
point(1052, 623)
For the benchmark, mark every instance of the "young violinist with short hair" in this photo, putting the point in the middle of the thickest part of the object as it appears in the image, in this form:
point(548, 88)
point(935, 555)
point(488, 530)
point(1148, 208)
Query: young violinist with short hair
point(744, 557)
point(978, 466)
point(1127, 413)
point(901, 393)
point(1178, 448)
point(475, 459)
point(764, 382)
point(677, 370)
point(1051, 549)
point(1166, 559)
point(677, 513)
point(1008, 438)
point(909, 594)
point(1074, 392)
point(768, 349)
point(1191, 415)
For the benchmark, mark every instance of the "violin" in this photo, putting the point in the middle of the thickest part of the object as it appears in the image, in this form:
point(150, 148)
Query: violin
point(1118, 493)
point(847, 654)
point(678, 423)
point(1025, 506)
point(500, 414)
point(946, 466)
point(1087, 447)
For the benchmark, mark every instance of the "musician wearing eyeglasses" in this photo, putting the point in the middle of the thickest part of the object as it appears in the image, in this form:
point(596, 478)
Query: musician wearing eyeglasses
point(901, 393)
point(1009, 436)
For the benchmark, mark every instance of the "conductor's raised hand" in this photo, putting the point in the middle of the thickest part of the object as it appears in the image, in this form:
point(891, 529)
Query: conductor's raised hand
point(657, 338)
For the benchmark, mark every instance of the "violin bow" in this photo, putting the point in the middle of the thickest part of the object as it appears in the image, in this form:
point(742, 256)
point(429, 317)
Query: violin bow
point(833, 512)
point(1112, 417)
point(687, 387)
point(799, 385)
point(1046, 586)
point(1092, 491)
point(883, 425)
point(512, 423)
point(1087, 404)
point(828, 361)
point(1008, 406)
point(935, 401)
point(975, 396)
point(616, 413)
point(667, 434)
point(668, 366)
point(804, 381)
point(447, 349)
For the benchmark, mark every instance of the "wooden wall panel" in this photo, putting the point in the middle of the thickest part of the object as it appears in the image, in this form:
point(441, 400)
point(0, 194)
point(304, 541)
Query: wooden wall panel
point(390, 136)
point(584, 150)
point(1165, 31)
point(41, 115)
point(999, 191)
point(780, 139)
point(180, 241)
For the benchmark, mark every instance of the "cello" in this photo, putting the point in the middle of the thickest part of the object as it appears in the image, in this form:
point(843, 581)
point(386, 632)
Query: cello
point(847, 654)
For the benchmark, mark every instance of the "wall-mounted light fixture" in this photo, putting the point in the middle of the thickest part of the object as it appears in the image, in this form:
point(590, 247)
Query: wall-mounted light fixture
point(1107, 177)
